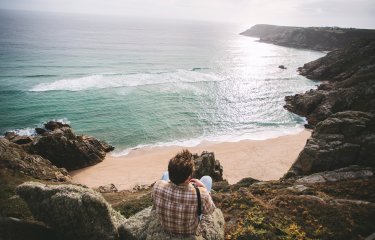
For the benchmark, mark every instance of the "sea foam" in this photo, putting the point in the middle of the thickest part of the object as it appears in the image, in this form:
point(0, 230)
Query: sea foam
point(30, 131)
point(102, 81)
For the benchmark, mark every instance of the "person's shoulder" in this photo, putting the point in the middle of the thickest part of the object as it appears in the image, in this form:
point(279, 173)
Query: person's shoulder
point(160, 184)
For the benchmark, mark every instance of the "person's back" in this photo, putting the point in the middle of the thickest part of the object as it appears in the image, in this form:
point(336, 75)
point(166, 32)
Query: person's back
point(176, 201)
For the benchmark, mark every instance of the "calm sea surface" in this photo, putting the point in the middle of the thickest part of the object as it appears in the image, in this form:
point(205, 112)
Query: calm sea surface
point(135, 82)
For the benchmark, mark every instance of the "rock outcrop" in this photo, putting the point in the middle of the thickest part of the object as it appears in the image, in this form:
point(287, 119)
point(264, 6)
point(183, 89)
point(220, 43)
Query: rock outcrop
point(316, 38)
point(352, 172)
point(74, 212)
point(343, 139)
point(14, 158)
point(57, 143)
point(350, 76)
point(145, 226)
point(206, 164)
point(341, 207)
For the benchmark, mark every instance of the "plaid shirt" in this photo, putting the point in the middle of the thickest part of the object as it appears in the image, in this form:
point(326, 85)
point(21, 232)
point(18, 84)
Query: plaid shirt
point(177, 207)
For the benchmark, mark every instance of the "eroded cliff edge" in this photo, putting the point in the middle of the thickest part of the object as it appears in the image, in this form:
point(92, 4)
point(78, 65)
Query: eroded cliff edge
point(315, 38)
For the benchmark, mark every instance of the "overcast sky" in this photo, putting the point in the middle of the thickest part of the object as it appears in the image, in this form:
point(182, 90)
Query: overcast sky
point(343, 13)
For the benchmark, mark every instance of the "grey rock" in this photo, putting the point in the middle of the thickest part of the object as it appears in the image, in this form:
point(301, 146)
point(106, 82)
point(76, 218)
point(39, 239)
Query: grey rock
point(145, 225)
point(74, 212)
point(298, 188)
point(343, 139)
point(14, 158)
point(206, 164)
point(22, 139)
point(108, 188)
point(352, 172)
point(52, 125)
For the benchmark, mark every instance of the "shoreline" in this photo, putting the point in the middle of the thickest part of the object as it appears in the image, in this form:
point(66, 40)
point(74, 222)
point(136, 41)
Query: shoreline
point(265, 160)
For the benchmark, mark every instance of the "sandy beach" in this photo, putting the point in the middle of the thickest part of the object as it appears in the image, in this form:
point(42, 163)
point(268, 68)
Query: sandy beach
point(261, 159)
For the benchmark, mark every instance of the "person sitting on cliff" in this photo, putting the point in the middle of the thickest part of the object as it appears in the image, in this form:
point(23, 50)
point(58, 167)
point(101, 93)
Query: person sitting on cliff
point(176, 201)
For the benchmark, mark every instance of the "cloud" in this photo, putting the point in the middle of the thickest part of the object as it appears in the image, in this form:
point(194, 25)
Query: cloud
point(284, 12)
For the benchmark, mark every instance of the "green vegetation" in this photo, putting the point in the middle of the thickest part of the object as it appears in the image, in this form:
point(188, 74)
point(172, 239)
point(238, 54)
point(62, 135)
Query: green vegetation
point(252, 210)
point(10, 204)
point(129, 203)
point(338, 210)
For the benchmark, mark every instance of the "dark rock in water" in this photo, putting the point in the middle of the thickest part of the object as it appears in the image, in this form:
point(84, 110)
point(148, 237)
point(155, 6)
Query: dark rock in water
point(316, 38)
point(18, 229)
point(205, 164)
point(65, 149)
point(282, 67)
point(73, 212)
point(40, 131)
point(16, 159)
point(53, 125)
point(343, 139)
point(62, 147)
point(351, 86)
point(10, 135)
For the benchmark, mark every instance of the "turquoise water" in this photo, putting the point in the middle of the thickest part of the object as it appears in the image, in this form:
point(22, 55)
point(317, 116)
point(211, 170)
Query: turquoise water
point(135, 82)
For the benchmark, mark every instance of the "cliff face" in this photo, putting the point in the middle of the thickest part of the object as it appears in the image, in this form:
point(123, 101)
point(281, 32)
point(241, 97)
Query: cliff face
point(60, 145)
point(343, 139)
point(350, 83)
point(316, 38)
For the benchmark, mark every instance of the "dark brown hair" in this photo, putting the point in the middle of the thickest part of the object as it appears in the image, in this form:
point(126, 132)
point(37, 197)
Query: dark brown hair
point(181, 167)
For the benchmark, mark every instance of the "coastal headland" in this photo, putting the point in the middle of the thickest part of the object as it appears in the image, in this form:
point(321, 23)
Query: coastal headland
point(327, 191)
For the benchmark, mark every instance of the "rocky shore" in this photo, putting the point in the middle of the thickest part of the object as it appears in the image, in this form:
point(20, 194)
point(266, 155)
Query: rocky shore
point(315, 38)
point(328, 193)
point(349, 83)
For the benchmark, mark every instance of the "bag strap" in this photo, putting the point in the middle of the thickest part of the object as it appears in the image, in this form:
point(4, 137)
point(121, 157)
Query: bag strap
point(199, 202)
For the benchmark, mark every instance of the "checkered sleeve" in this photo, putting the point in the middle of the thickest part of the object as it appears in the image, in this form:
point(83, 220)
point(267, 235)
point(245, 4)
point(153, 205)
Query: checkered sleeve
point(207, 203)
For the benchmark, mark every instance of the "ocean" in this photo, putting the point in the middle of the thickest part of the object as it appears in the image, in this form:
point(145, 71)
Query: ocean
point(143, 82)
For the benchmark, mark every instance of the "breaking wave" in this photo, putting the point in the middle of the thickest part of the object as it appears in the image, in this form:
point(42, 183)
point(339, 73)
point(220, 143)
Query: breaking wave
point(102, 81)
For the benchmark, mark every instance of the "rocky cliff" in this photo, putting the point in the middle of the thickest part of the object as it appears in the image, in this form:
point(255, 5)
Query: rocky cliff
point(316, 38)
point(343, 139)
point(349, 76)
point(60, 145)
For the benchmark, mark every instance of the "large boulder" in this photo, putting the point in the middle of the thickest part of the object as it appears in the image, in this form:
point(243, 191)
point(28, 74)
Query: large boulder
point(14, 158)
point(343, 139)
point(65, 149)
point(145, 226)
point(74, 212)
point(206, 164)
point(350, 83)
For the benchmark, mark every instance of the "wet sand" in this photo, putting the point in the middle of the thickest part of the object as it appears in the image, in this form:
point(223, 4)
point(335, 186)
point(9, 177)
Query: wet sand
point(261, 159)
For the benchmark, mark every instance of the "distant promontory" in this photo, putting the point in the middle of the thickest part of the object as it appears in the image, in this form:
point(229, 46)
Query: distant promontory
point(315, 38)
